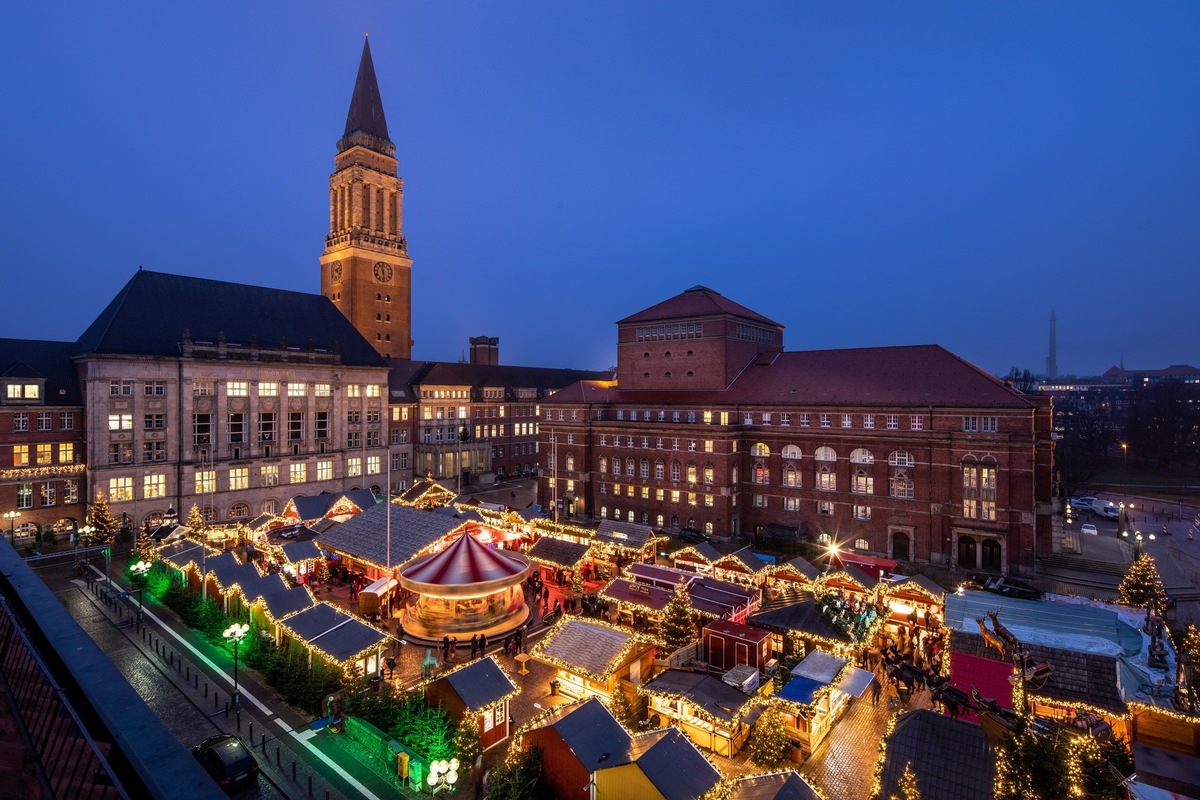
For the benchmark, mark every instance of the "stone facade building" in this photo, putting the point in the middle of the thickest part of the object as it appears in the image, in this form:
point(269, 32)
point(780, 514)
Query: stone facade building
point(905, 452)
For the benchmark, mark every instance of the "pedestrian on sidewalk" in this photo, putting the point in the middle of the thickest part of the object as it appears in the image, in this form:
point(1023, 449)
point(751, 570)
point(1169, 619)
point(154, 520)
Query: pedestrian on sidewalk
point(453, 646)
point(545, 596)
point(400, 631)
point(474, 645)
point(876, 690)
point(520, 639)
point(483, 644)
point(391, 665)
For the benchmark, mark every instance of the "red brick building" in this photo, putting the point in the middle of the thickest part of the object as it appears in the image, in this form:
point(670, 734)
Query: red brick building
point(905, 452)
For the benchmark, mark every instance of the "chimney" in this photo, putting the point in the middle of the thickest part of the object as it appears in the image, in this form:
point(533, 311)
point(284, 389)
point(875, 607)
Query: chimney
point(485, 350)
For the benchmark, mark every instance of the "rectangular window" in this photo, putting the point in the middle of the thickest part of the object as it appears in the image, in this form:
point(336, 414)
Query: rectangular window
point(203, 388)
point(354, 438)
point(239, 478)
point(374, 465)
point(791, 504)
point(660, 494)
point(353, 467)
point(868, 421)
point(66, 453)
point(49, 494)
point(66, 420)
point(154, 486)
point(24, 495)
point(70, 492)
point(269, 475)
point(266, 427)
point(155, 388)
point(268, 389)
point(766, 418)
point(20, 455)
point(826, 480)
point(862, 512)
point(353, 390)
point(991, 424)
point(295, 426)
point(847, 420)
point(825, 508)
point(971, 424)
point(323, 390)
point(805, 420)
point(674, 495)
point(373, 391)
point(297, 473)
point(120, 388)
point(45, 454)
point(321, 425)
point(21, 421)
point(297, 389)
point(708, 501)
point(862, 484)
point(691, 498)
point(237, 428)
point(826, 420)
point(916, 422)
point(201, 429)
point(759, 501)
point(324, 470)
point(120, 489)
point(785, 419)
point(691, 445)
point(154, 422)
point(120, 422)
point(893, 422)
point(748, 418)
point(206, 481)
point(154, 451)
point(237, 389)
point(45, 421)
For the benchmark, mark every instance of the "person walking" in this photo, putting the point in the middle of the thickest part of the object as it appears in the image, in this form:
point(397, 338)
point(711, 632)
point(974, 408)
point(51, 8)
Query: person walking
point(453, 646)
point(520, 634)
point(400, 631)
point(474, 645)
point(445, 647)
point(482, 644)
point(876, 690)
point(546, 595)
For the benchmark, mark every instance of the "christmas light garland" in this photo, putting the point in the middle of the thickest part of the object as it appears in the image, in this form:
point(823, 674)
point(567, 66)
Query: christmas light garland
point(420, 686)
point(633, 639)
point(42, 472)
point(877, 777)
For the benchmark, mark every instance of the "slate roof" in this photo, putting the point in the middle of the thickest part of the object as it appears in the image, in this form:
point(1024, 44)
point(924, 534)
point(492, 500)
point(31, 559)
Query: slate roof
point(922, 582)
point(365, 536)
point(801, 565)
point(707, 594)
point(333, 631)
point(295, 552)
point(317, 506)
point(855, 575)
point(649, 597)
point(698, 301)
point(186, 551)
point(51, 361)
point(134, 322)
point(480, 684)
point(592, 650)
point(873, 377)
point(951, 758)
point(558, 551)
point(228, 571)
point(801, 616)
point(623, 534)
point(703, 549)
point(279, 599)
point(747, 558)
point(775, 786)
point(1078, 676)
point(701, 689)
point(592, 733)
point(670, 761)
point(366, 106)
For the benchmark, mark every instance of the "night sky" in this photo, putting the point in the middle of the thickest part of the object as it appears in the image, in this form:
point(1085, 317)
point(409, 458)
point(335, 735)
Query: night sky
point(864, 174)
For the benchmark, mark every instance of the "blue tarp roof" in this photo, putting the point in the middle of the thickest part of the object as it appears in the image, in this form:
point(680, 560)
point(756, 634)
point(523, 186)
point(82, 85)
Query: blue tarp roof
point(801, 690)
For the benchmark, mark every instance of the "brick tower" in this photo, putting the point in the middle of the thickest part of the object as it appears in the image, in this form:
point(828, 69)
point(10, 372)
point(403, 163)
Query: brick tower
point(365, 269)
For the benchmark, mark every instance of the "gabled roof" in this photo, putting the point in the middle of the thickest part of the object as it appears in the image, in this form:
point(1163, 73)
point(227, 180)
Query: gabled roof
point(317, 506)
point(951, 758)
point(366, 535)
point(425, 487)
point(480, 683)
point(331, 630)
point(592, 733)
point(747, 558)
point(229, 572)
point(295, 552)
point(801, 617)
point(703, 690)
point(670, 761)
point(592, 650)
point(246, 317)
point(548, 550)
point(851, 573)
point(917, 584)
point(699, 301)
point(704, 550)
point(775, 786)
point(181, 553)
point(628, 535)
point(802, 567)
point(50, 361)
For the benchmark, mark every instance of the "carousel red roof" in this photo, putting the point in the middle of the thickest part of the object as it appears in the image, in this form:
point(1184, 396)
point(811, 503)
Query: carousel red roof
point(465, 561)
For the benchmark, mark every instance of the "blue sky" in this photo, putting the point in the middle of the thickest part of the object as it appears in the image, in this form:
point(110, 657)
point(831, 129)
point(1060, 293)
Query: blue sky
point(863, 173)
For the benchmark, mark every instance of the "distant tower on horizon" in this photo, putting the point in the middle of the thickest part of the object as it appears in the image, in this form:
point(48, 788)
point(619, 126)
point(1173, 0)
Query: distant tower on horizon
point(1052, 359)
point(365, 269)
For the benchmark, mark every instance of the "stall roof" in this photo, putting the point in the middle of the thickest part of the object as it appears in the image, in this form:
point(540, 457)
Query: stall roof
point(1066, 625)
point(317, 506)
point(628, 535)
point(951, 758)
point(558, 551)
point(480, 683)
point(703, 690)
point(855, 575)
point(737, 630)
point(819, 666)
point(289, 601)
point(593, 649)
point(670, 761)
point(366, 537)
point(747, 559)
point(332, 631)
point(868, 564)
point(592, 733)
point(180, 554)
point(230, 572)
point(702, 549)
point(295, 552)
point(921, 584)
point(623, 590)
point(801, 616)
point(775, 786)
point(803, 567)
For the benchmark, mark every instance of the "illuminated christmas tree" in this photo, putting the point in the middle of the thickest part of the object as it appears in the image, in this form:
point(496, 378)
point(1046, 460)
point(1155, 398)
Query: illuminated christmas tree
point(467, 745)
point(1142, 585)
point(908, 785)
point(104, 524)
point(1191, 644)
point(677, 627)
point(770, 744)
point(621, 708)
point(195, 523)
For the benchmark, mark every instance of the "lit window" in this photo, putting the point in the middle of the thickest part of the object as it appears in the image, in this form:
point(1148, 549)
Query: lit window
point(203, 388)
point(66, 453)
point(206, 481)
point(323, 390)
point(268, 389)
point(154, 486)
point(45, 453)
point(20, 455)
point(239, 478)
point(297, 473)
point(120, 489)
point(237, 389)
point(297, 389)
point(373, 465)
point(120, 422)
point(269, 475)
point(324, 470)
point(353, 390)
point(353, 467)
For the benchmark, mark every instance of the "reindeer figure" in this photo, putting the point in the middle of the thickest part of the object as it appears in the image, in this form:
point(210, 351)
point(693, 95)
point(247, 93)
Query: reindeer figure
point(1003, 632)
point(990, 639)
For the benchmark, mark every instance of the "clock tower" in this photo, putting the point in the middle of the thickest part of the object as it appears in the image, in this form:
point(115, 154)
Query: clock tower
point(365, 269)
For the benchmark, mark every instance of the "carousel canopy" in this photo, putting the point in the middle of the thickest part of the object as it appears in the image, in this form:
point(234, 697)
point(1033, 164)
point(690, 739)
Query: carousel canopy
point(465, 561)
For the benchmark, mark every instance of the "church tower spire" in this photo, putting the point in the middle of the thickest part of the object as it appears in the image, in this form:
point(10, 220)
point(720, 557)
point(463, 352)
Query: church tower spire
point(365, 269)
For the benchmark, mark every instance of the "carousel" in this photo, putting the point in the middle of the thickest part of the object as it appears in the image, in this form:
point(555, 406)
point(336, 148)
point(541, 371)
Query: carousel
point(466, 588)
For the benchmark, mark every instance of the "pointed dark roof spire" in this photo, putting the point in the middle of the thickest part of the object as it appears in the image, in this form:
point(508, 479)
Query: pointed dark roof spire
point(365, 122)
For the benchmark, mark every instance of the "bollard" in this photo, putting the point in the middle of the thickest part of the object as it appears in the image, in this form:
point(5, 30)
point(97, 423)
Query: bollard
point(196, 681)
point(277, 755)
point(216, 702)
point(310, 785)
point(264, 744)
point(189, 672)
point(206, 688)
point(293, 770)
point(238, 717)
point(226, 709)
point(251, 733)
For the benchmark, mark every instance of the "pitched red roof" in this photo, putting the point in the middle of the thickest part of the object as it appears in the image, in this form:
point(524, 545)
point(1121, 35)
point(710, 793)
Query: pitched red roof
point(699, 301)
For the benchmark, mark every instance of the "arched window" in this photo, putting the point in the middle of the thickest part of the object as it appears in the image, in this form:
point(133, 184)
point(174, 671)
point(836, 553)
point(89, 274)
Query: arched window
point(603, 512)
point(901, 458)
point(825, 454)
point(604, 463)
point(862, 456)
point(791, 476)
point(792, 451)
point(377, 490)
point(824, 539)
point(239, 510)
point(708, 473)
point(761, 473)
point(761, 450)
point(826, 480)
point(644, 468)
point(708, 528)
point(674, 470)
point(630, 468)
point(570, 462)
point(862, 544)
point(659, 469)
point(645, 518)
point(659, 520)
point(733, 474)
point(691, 472)
point(631, 517)
point(674, 521)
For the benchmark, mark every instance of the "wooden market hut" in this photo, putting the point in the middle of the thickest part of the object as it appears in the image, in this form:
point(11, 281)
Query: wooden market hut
point(710, 597)
point(950, 758)
point(225, 574)
point(743, 567)
point(299, 559)
point(913, 593)
point(309, 510)
point(593, 658)
point(698, 557)
point(369, 544)
point(481, 688)
point(660, 765)
point(551, 554)
point(616, 544)
point(798, 627)
point(817, 694)
point(791, 577)
point(711, 712)
point(425, 493)
point(336, 636)
point(727, 644)
point(577, 740)
point(849, 581)
point(188, 559)
point(268, 599)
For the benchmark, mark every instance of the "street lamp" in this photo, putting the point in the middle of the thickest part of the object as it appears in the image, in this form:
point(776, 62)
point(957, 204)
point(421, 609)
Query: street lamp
point(139, 571)
point(442, 775)
point(1125, 474)
point(235, 633)
point(11, 516)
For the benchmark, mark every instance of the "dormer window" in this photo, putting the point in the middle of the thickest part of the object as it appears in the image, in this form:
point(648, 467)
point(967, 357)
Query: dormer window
point(23, 392)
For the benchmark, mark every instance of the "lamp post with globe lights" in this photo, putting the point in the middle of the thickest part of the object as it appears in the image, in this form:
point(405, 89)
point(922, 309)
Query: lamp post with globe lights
point(139, 571)
point(442, 775)
point(12, 517)
point(235, 633)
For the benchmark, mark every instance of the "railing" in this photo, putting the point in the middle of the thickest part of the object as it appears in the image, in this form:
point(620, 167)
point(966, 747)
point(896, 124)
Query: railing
point(68, 762)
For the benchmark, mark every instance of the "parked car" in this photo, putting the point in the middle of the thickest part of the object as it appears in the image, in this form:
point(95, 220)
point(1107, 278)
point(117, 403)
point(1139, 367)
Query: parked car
point(1107, 510)
point(227, 759)
point(1009, 587)
point(1082, 503)
point(692, 535)
point(1089, 529)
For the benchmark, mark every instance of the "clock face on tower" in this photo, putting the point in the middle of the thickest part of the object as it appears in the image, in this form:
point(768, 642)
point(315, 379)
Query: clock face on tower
point(335, 271)
point(383, 272)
